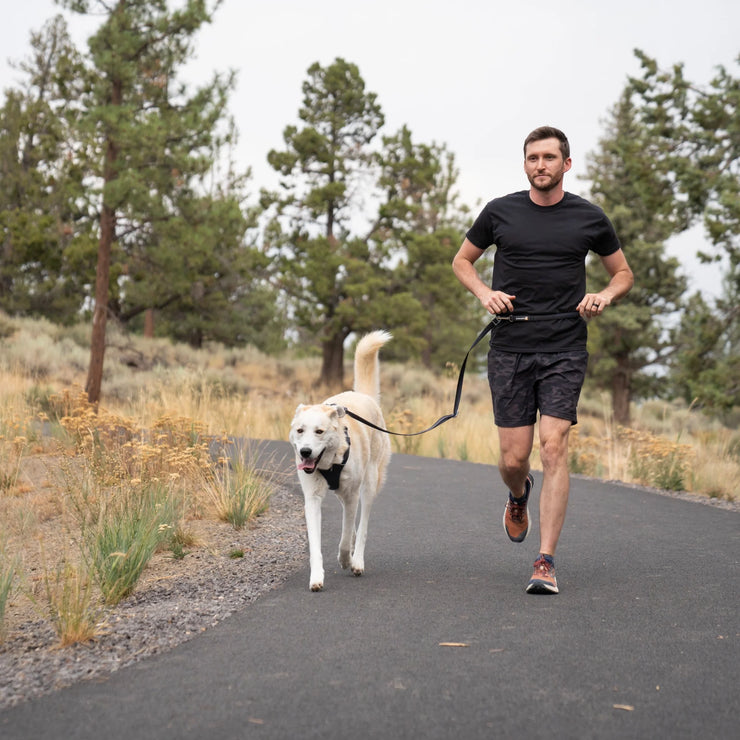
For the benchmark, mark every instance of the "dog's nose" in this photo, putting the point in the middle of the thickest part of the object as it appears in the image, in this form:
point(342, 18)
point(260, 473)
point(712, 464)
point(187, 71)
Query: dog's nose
point(306, 452)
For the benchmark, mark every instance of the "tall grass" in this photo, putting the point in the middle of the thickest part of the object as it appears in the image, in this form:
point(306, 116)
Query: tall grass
point(240, 487)
point(8, 569)
point(130, 526)
point(70, 603)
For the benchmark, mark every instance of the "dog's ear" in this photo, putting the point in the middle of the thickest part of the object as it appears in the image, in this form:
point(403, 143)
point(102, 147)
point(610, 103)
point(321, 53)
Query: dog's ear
point(334, 408)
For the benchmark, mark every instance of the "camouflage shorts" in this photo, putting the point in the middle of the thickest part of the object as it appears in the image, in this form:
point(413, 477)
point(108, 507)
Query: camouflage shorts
point(523, 384)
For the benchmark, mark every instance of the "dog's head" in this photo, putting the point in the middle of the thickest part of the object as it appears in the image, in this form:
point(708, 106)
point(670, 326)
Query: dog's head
point(317, 433)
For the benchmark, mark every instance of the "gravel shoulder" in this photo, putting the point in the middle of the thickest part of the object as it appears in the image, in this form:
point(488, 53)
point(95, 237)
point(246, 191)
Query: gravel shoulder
point(175, 601)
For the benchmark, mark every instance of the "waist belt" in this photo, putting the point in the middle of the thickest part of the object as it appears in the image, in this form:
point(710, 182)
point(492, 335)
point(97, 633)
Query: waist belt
point(510, 318)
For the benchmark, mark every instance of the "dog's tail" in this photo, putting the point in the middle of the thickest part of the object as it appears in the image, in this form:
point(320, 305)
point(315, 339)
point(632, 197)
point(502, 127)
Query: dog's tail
point(367, 365)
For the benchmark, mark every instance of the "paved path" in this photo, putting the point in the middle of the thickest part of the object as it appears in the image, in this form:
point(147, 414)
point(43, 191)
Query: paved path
point(641, 642)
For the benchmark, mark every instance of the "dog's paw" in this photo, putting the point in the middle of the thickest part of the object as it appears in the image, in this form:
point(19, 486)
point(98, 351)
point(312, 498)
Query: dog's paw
point(316, 579)
point(343, 558)
point(358, 567)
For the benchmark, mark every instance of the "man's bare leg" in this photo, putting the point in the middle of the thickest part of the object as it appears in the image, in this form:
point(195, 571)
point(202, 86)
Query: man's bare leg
point(516, 447)
point(556, 481)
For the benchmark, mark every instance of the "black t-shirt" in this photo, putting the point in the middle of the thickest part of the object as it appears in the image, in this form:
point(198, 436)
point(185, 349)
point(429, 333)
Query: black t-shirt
point(541, 259)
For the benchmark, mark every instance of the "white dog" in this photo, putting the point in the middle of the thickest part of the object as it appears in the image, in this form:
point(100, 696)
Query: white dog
point(335, 452)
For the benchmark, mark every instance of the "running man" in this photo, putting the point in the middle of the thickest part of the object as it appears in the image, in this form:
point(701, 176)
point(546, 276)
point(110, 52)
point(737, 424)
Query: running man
point(537, 358)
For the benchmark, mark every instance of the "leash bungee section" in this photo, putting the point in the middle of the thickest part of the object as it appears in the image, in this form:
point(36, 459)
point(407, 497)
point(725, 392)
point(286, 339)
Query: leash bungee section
point(498, 319)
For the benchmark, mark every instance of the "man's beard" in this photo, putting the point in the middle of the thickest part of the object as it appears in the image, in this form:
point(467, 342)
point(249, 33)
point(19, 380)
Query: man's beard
point(552, 183)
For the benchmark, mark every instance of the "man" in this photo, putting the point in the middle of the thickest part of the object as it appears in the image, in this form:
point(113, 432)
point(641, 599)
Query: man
point(537, 358)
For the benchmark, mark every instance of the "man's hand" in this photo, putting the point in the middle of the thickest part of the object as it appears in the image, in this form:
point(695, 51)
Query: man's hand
point(497, 302)
point(494, 301)
point(593, 304)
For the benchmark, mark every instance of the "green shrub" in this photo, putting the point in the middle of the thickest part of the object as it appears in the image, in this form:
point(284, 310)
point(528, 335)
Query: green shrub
point(125, 537)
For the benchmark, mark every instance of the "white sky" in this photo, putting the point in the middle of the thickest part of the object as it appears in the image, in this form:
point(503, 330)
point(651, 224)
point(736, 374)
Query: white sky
point(476, 75)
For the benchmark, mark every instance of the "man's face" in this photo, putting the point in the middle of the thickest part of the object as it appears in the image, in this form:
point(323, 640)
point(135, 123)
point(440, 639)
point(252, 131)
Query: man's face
point(544, 164)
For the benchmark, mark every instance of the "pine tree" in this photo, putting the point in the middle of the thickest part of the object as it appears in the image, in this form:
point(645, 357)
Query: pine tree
point(150, 142)
point(46, 228)
point(363, 237)
point(626, 341)
point(697, 129)
point(328, 274)
point(421, 224)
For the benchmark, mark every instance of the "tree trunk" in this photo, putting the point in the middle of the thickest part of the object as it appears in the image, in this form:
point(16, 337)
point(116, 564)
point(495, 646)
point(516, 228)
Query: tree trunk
point(102, 274)
point(332, 365)
point(149, 323)
point(100, 317)
point(621, 392)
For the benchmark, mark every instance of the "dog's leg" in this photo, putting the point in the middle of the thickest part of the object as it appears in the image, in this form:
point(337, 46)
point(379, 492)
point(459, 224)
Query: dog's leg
point(358, 553)
point(313, 527)
point(346, 543)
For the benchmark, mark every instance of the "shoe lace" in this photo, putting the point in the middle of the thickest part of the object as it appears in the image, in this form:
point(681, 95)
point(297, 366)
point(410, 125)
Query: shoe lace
point(517, 510)
point(543, 568)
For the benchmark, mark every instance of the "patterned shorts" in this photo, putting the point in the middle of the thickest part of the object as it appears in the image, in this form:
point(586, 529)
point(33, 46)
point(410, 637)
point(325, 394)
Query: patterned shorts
point(523, 384)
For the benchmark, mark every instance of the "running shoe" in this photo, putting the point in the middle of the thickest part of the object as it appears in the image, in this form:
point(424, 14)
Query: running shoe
point(516, 519)
point(543, 579)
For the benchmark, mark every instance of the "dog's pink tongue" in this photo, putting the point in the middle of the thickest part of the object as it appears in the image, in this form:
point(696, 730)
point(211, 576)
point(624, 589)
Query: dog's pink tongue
point(306, 465)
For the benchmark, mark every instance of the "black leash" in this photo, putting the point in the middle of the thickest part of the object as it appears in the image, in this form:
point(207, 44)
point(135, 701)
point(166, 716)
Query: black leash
point(509, 318)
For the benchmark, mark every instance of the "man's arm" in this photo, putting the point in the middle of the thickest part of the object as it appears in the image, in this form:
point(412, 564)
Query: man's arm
point(463, 265)
point(622, 280)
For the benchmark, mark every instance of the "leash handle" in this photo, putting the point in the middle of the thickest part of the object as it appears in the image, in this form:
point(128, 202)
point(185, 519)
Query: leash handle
point(458, 393)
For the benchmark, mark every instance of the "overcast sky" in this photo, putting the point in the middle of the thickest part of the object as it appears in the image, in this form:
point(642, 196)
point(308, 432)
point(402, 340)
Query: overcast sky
point(475, 75)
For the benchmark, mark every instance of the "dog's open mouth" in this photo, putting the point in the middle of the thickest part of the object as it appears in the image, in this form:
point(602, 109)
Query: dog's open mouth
point(309, 464)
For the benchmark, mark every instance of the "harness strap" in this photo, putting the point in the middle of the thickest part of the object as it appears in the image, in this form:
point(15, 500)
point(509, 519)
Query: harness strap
point(498, 319)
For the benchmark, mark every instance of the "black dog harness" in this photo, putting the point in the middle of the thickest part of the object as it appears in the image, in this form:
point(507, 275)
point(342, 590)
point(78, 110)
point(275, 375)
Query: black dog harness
point(333, 473)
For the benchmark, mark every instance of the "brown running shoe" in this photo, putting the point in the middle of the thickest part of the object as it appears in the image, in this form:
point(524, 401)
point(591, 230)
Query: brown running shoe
point(516, 519)
point(543, 579)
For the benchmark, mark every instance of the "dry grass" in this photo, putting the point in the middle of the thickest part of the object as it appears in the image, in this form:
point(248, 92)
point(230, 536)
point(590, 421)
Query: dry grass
point(86, 505)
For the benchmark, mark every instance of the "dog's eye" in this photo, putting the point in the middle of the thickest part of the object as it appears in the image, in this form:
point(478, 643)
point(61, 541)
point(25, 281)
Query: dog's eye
point(299, 430)
point(319, 431)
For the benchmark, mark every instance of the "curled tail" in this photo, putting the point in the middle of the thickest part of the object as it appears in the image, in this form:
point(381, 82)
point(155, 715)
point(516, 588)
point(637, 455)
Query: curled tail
point(367, 365)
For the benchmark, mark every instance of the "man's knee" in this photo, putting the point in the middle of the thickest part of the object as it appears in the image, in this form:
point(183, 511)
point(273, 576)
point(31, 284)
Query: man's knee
point(515, 448)
point(514, 460)
point(554, 445)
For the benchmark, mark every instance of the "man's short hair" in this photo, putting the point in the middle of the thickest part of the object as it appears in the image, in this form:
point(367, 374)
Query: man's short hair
point(549, 132)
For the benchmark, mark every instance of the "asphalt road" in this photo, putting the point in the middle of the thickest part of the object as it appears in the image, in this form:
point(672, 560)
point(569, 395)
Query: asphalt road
point(641, 642)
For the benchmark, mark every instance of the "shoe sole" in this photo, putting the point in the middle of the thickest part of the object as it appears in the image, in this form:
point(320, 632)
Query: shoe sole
point(523, 536)
point(541, 587)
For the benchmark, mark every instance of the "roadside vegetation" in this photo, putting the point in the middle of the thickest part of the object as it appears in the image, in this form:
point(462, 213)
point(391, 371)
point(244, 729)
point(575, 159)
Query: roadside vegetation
point(88, 495)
